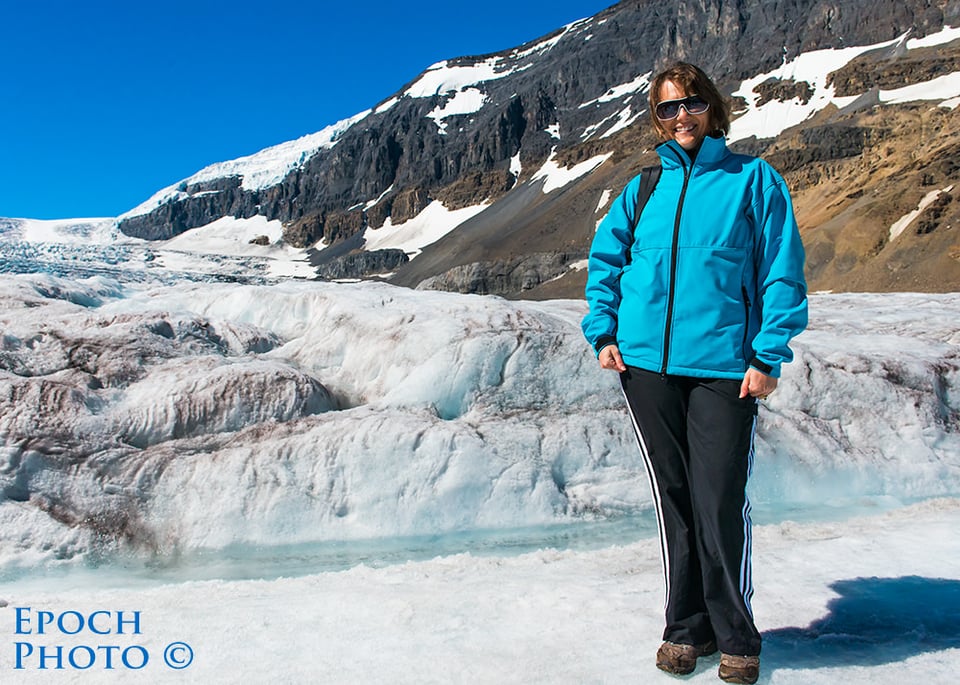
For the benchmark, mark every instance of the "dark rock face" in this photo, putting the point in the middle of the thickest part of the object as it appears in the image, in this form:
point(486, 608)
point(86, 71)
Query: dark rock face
point(472, 187)
point(398, 159)
point(890, 69)
point(361, 264)
point(223, 184)
point(775, 89)
point(514, 276)
point(820, 144)
point(931, 217)
point(174, 218)
point(401, 207)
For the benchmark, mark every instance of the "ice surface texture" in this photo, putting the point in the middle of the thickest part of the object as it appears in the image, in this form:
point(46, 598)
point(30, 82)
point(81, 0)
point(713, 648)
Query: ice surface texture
point(195, 416)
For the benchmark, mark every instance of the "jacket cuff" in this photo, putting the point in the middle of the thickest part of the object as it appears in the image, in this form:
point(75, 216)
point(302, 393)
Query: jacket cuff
point(603, 341)
point(761, 367)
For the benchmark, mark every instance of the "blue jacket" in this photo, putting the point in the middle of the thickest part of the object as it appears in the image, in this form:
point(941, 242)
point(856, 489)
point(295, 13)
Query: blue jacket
point(712, 282)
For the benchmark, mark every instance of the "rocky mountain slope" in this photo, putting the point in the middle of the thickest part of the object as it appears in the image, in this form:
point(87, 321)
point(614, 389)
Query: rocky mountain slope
point(522, 151)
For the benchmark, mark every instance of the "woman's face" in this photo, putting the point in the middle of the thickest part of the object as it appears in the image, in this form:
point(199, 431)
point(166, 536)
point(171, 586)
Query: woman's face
point(687, 129)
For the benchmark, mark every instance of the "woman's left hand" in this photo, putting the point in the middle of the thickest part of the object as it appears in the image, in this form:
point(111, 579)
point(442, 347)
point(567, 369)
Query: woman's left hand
point(757, 384)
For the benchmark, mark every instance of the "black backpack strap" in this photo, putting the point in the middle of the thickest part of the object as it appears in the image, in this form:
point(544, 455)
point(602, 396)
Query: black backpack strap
point(648, 181)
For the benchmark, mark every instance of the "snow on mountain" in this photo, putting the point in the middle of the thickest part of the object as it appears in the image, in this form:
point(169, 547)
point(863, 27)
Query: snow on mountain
point(555, 176)
point(636, 89)
point(901, 224)
point(639, 85)
point(255, 238)
point(200, 416)
point(436, 221)
point(461, 85)
point(581, 28)
point(464, 102)
point(260, 170)
point(449, 76)
point(945, 88)
point(772, 118)
point(463, 88)
point(443, 78)
point(411, 236)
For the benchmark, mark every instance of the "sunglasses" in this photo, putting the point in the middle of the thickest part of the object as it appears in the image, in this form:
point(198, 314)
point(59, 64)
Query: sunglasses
point(670, 109)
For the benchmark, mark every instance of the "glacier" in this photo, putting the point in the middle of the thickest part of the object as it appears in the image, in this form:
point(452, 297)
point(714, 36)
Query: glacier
point(160, 419)
point(298, 481)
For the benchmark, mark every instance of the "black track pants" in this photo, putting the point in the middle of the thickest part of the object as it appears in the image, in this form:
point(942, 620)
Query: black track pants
point(696, 436)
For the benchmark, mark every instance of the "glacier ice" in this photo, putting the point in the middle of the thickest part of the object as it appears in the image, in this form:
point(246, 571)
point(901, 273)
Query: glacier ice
point(164, 418)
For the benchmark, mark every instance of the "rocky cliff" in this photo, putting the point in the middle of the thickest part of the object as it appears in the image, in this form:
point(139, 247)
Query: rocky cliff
point(478, 129)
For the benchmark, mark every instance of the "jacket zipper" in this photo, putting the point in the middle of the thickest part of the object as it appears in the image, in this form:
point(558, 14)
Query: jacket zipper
point(674, 256)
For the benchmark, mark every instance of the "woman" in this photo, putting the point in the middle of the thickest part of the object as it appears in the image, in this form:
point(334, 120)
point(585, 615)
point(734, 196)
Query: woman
point(695, 308)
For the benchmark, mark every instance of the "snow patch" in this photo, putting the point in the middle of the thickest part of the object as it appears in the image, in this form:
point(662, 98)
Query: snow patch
point(232, 236)
point(442, 78)
point(373, 203)
point(386, 105)
point(625, 119)
point(463, 102)
point(604, 199)
point(590, 130)
point(901, 224)
point(774, 117)
point(550, 43)
point(228, 235)
point(554, 176)
point(942, 37)
point(515, 166)
point(411, 236)
point(946, 87)
point(638, 85)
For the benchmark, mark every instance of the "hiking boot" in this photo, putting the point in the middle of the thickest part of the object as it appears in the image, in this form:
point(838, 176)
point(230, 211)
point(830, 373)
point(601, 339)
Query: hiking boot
point(739, 669)
point(682, 659)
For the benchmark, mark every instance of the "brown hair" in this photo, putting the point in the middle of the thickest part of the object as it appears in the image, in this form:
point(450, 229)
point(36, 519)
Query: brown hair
point(692, 81)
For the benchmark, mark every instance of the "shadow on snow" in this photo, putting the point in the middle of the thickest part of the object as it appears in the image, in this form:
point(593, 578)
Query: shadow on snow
point(873, 621)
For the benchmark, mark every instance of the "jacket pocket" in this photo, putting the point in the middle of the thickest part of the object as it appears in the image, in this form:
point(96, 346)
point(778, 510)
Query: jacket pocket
point(711, 313)
point(643, 305)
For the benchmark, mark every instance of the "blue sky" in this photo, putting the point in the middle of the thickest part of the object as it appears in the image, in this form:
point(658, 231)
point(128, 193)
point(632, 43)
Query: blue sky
point(102, 103)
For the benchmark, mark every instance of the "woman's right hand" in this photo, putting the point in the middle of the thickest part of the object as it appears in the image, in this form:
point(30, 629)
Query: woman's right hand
point(610, 359)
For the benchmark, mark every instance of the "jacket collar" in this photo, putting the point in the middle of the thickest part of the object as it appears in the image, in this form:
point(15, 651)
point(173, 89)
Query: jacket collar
point(712, 150)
